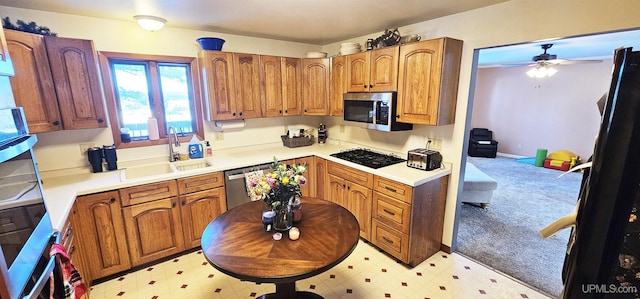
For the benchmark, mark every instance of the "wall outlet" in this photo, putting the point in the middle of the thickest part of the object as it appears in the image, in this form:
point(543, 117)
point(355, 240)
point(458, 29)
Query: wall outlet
point(85, 146)
point(218, 136)
point(434, 144)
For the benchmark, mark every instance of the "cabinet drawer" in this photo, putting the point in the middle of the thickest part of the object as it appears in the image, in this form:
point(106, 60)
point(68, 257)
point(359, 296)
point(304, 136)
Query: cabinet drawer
point(391, 212)
point(149, 192)
point(390, 240)
point(201, 182)
point(394, 189)
point(66, 234)
point(356, 176)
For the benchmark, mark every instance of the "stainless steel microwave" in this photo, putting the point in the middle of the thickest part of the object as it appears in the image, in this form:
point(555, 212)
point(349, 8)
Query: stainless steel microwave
point(376, 111)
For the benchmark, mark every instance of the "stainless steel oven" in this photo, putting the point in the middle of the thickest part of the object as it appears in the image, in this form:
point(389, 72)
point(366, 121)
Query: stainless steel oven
point(25, 228)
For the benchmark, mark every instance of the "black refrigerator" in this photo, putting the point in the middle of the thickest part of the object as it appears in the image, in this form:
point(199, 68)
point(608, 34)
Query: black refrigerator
point(603, 254)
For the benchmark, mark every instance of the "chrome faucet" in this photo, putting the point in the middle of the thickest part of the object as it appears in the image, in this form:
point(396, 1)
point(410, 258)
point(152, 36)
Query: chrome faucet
point(173, 155)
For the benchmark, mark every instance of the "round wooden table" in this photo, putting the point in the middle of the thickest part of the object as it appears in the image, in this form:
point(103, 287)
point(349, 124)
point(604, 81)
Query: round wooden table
point(237, 244)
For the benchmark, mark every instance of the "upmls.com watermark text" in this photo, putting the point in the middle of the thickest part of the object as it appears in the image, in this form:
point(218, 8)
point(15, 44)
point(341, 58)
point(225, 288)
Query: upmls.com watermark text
point(608, 289)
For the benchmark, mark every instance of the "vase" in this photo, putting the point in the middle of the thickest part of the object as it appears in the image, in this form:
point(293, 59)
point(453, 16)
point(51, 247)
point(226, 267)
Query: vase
point(283, 220)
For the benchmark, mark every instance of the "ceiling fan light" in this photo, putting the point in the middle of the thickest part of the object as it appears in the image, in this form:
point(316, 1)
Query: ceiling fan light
point(151, 23)
point(541, 71)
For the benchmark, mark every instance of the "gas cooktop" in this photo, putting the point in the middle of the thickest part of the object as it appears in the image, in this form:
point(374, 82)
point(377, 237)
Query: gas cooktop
point(368, 158)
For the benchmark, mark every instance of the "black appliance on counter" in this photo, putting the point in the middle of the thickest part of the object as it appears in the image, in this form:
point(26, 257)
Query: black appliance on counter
point(603, 256)
point(425, 159)
point(26, 233)
point(368, 158)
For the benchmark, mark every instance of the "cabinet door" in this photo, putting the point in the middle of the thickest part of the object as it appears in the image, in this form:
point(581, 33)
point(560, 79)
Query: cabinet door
point(291, 86)
point(75, 74)
point(247, 81)
point(315, 86)
point(308, 189)
point(217, 78)
point(320, 169)
point(32, 84)
point(338, 84)
point(101, 235)
point(198, 210)
point(358, 72)
point(428, 81)
point(384, 69)
point(359, 202)
point(337, 190)
point(154, 230)
point(6, 66)
point(271, 85)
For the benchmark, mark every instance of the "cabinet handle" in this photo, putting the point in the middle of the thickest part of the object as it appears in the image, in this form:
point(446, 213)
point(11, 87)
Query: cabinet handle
point(305, 110)
point(390, 189)
point(365, 86)
point(234, 114)
point(388, 241)
point(240, 113)
point(184, 202)
point(112, 200)
point(69, 231)
point(344, 186)
point(56, 123)
point(397, 115)
point(389, 212)
point(371, 86)
point(280, 111)
point(286, 111)
point(100, 120)
point(72, 250)
point(173, 204)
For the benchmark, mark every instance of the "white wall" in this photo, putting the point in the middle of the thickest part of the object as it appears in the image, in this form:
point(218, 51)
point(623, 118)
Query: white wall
point(552, 113)
point(506, 23)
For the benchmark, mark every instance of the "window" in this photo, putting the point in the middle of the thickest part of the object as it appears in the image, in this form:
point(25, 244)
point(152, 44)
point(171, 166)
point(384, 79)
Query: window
point(142, 86)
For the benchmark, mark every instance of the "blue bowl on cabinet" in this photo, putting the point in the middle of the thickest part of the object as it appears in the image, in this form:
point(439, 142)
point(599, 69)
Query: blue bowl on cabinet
point(211, 43)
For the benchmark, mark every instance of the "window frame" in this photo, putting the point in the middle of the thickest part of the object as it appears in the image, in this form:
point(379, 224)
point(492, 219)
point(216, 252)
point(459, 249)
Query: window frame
point(157, 103)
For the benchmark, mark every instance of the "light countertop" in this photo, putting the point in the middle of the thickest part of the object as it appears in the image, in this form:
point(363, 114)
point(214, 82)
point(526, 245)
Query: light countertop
point(61, 187)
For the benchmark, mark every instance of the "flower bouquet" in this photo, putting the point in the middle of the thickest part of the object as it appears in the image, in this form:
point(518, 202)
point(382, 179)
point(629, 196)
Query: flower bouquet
point(280, 190)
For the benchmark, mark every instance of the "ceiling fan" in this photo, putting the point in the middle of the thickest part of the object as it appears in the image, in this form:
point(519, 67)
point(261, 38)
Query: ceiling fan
point(547, 59)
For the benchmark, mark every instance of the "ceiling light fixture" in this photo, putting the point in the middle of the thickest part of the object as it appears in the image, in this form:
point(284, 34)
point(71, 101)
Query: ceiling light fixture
point(541, 71)
point(150, 23)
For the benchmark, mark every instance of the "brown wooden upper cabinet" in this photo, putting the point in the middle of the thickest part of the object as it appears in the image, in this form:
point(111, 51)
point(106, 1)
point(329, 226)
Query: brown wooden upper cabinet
point(373, 71)
point(315, 86)
point(280, 86)
point(56, 81)
point(428, 81)
point(338, 84)
point(6, 67)
point(231, 84)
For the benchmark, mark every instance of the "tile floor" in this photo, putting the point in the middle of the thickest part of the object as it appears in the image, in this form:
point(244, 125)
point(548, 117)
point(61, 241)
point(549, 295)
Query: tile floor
point(366, 273)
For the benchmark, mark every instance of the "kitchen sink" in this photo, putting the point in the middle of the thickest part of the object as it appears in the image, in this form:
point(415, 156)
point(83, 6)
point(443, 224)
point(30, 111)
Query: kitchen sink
point(147, 170)
point(161, 168)
point(189, 165)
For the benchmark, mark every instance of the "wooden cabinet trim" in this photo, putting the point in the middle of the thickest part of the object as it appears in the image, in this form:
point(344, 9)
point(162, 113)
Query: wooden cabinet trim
point(357, 176)
point(200, 183)
point(149, 192)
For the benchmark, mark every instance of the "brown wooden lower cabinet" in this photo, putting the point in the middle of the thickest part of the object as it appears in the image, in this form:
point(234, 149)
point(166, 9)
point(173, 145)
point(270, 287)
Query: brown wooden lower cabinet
point(154, 230)
point(198, 210)
point(355, 197)
point(121, 229)
point(97, 219)
point(72, 246)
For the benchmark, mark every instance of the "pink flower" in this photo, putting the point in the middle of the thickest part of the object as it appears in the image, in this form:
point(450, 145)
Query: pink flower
point(271, 182)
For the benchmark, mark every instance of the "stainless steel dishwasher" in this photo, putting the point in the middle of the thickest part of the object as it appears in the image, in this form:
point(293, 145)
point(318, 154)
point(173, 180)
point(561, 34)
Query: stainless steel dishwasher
point(235, 184)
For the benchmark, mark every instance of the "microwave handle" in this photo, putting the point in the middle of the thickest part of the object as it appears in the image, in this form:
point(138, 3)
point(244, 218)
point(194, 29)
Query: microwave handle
point(376, 104)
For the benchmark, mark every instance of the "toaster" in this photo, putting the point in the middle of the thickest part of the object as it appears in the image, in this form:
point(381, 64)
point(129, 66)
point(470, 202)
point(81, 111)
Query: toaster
point(422, 158)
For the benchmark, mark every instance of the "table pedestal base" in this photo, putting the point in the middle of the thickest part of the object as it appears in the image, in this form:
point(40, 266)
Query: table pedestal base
point(288, 291)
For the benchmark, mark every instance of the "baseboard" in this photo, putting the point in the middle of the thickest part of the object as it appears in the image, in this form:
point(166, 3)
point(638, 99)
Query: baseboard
point(509, 155)
point(445, 248)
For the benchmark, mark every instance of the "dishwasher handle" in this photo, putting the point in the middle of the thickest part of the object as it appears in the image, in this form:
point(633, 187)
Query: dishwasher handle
point(240, 173)
point(233, 177)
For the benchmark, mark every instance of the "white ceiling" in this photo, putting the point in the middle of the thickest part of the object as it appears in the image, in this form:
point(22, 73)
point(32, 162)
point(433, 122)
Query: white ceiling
point(316, 22)
point(324, 22)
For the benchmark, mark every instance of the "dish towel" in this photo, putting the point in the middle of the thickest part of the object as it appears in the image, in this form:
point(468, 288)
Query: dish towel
point(74, 287)
point(252, 178)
